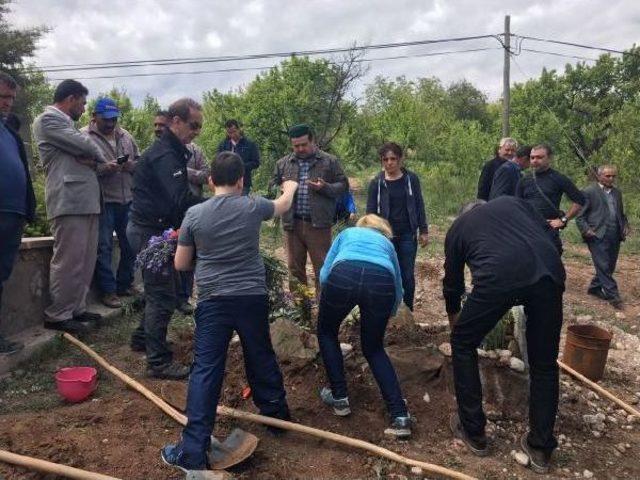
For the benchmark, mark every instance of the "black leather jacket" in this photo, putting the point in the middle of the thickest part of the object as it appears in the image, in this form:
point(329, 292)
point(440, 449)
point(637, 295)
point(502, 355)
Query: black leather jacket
point(161, 194)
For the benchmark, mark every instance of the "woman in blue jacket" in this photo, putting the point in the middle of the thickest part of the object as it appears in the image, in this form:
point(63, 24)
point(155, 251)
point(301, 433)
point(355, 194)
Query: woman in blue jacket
point(395, 194)
point(362, 269)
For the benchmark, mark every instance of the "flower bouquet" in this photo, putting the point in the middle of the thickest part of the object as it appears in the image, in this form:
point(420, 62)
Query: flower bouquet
point(158, 256)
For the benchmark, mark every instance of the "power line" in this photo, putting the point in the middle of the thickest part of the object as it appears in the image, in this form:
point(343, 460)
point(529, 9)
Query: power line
point(557, 54)
point(267, 67)
point(578, 45)
point(229, 58)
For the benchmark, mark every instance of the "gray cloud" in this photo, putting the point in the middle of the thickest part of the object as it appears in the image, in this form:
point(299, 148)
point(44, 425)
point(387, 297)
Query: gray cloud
point(97, 31)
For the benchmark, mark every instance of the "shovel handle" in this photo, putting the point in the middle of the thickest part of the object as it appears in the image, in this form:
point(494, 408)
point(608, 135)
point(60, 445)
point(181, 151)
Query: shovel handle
point(274, 422)
point(50, 467)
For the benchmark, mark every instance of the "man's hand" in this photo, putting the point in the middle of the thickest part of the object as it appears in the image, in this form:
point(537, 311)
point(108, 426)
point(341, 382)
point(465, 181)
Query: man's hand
point(556, 223)
point(423, 239)
point(128, 166)
point(316, 185)
point(353, 217)
point(289, 186)
point(589, 234)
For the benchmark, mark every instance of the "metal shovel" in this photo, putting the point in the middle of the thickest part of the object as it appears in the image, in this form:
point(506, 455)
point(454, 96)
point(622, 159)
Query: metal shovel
point(237, 447)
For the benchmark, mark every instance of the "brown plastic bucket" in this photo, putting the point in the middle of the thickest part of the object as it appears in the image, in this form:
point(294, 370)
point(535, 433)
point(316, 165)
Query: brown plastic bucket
point(586, 349)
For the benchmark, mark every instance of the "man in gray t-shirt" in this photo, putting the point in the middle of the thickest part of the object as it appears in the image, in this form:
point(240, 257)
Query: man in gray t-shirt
point(222, 235)
point(224, 231)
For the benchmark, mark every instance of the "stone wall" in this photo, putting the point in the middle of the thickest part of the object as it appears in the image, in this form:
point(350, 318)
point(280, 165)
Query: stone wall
point(26, 293)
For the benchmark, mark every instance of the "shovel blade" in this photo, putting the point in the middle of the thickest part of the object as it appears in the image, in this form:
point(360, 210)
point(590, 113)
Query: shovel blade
point(236, 448)
point(208, 475)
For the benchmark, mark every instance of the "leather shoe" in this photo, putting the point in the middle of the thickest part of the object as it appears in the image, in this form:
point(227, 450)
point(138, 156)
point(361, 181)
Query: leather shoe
point(111, 300)
point(69, 326)
point(477, 445)
point(87, 317)
point(539, 459)
point(168, 371)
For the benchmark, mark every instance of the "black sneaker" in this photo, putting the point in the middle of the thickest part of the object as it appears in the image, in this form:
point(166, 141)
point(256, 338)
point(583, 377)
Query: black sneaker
point(8, 347)
point(539, 460)
point(283, 414)
point(88, 317)
point(168, 371)
point(400, 427)
point(69, 326)
point(340, 405)
point(477, 445)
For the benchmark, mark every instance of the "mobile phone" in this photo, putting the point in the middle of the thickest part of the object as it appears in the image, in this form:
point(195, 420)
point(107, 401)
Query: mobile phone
point(122, 159)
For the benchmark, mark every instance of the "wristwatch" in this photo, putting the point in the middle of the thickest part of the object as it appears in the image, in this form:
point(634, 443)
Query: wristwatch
point(564, 220)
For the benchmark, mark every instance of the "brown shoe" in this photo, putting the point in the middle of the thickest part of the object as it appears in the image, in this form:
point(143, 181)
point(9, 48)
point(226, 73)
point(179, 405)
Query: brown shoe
point(111, 300)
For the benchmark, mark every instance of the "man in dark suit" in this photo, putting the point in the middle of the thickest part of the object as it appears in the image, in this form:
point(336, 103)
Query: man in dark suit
point(603, 226)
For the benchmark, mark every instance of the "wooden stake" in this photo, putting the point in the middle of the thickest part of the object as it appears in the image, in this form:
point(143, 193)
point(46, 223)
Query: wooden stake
point(274, 422)
point(49, 467)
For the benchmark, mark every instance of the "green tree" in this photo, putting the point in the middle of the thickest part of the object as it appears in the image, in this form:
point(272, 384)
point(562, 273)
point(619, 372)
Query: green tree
point(299, 90)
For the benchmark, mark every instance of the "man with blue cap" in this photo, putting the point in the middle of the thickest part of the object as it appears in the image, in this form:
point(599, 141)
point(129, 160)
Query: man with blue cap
point(116, 180)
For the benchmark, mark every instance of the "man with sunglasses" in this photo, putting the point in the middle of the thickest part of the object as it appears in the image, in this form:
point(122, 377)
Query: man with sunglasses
point(544, 188)
point(603, 226)
point(161, 197)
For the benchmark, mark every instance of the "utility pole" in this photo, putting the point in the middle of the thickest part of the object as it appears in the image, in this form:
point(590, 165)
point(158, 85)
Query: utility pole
point(506, 93)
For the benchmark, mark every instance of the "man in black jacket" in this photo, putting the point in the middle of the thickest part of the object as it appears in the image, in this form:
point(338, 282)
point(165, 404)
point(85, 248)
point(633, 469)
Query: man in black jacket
point(603, 226)
point(17, 201)
point(512, 262)
point(236, 142)
point(506, 150)
point(161, 196)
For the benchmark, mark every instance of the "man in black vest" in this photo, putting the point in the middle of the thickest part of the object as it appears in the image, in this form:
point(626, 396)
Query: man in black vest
point(603, 226)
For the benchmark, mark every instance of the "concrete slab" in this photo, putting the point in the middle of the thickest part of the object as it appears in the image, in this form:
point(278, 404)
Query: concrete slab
point(33, 339)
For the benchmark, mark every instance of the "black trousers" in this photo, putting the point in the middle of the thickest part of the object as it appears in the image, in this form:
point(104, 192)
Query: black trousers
point(11, 227)
point(543, 306)
point(160, 301)
point(604, 253)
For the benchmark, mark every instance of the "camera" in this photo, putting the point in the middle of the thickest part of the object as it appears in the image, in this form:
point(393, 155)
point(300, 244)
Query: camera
point(122, 159)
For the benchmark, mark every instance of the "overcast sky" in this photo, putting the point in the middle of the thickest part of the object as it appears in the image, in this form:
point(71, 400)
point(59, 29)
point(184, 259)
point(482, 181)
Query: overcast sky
point(94, 31)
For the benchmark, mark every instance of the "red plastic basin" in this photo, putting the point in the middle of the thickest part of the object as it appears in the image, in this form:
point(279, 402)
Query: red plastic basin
point(75, 384)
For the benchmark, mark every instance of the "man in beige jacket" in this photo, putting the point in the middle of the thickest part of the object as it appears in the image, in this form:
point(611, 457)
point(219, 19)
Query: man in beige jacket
point(73, 201)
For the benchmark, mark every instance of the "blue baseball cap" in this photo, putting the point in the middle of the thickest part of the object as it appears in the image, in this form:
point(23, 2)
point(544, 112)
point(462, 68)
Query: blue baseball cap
point(107, 108)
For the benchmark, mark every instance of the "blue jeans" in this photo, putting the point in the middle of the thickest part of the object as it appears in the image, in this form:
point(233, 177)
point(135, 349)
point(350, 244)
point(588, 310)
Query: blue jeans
point(371, 287)
point(216, 319)
point(406, 246)
point(114, 218)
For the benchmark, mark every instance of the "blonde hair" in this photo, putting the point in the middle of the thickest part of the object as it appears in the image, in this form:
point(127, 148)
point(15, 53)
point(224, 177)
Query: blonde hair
point(377, 223)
